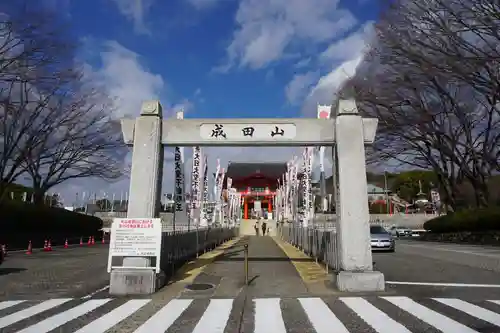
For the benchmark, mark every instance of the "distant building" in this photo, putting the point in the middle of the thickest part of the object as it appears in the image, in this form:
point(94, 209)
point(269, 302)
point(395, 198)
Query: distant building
point(257, 183)
point(377, 194)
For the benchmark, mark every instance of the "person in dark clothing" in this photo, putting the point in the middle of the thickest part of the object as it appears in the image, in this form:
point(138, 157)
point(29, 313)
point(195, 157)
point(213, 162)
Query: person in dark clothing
point(264, 228)
point(256, 227)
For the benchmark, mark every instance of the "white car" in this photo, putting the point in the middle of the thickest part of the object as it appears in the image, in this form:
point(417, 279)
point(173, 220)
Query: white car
point(400, 231)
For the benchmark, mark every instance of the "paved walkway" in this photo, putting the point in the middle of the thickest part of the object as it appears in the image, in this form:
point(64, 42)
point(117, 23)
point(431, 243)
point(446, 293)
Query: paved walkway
point(271, 272)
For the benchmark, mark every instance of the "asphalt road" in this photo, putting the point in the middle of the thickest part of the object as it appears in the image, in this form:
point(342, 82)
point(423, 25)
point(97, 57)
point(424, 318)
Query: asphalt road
point(73, 272)
point(435, 267)
point(53, 285)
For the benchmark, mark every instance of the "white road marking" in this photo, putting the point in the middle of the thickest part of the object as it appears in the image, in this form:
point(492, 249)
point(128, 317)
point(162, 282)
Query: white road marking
point(8, 304)
point(444, 284)
point(321, 317)
point(471, 309)
point(31, 311)
point(95, 292)
point(489, 255)
point(442, 323)
point(373, 316)
point(165, 317)
point(495, 301)
point(62, 318)
point(112, 318)
point(268, 317)
point(215, 317)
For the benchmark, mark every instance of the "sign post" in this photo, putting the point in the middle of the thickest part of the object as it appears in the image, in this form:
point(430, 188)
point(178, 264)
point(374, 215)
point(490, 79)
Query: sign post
point(135, 238)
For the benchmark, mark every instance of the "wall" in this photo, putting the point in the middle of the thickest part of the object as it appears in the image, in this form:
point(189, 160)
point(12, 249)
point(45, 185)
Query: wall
point(413, 221)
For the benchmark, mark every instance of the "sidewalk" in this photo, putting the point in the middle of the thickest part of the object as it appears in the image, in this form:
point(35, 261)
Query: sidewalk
point(271, 272)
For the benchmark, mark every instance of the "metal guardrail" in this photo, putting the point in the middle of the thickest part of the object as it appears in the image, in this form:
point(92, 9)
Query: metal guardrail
point(319, 244)
point(181, 245)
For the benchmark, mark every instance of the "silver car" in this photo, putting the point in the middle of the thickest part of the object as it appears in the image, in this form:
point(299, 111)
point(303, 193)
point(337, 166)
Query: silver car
point(381, 239)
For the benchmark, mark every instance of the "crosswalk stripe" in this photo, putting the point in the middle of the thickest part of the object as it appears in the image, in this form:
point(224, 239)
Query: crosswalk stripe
point(373, 316)
point(442, 323)
point(8, 304)
point(215, 317)
point(471, 309)
point(112, 318)
point(321, 317)
point(62, 318)
point(31, 311)
point(268, 316)
point(165, 317)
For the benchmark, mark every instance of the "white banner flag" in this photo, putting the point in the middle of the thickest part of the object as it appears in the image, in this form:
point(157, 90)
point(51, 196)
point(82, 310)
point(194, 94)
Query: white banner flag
point(195, 185)
point(204, 201)
point(179, 197)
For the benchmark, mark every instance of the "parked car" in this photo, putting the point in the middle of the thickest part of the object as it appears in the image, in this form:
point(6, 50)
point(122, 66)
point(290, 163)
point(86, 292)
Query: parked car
point(381, 239)
point(400, 231)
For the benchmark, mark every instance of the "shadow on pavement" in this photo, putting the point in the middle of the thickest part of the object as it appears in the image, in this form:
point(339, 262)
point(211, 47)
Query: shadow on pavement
point(7, 271)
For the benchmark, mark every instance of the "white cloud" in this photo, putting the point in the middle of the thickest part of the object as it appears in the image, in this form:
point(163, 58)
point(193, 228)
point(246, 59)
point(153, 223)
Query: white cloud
point(125, 78)
point(343, 57)
point(303, 63)
point(353, 44)
point(131, 82)
point(135, 11)
point(269, 28)
point(299, 85)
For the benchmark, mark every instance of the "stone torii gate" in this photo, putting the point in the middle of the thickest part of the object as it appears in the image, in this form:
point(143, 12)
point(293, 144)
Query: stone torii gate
point(348, 131)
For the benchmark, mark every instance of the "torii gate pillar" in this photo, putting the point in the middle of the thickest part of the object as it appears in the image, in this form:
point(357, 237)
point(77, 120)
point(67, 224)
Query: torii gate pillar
point(353, 232)
point(144, 196)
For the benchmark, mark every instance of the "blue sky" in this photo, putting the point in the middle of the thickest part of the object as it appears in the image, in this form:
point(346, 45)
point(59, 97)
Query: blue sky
point(220, 58)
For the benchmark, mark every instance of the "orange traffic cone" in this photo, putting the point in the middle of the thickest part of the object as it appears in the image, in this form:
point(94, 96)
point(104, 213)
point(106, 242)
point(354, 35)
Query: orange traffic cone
point(66, 244)
point(103, 241)
point(30, 249)
point(93, 241)
point(89, 242)
point(4, 250)
point(45, 246)
point(49, 247)
point(81, 241)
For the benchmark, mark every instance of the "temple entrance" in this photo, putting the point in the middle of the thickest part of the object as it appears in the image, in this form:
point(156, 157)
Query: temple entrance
point(348, 132)
point(256, 184)
point(258, 206)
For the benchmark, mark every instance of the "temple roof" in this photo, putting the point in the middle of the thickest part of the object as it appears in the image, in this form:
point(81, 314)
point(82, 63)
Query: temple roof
point(239, 170)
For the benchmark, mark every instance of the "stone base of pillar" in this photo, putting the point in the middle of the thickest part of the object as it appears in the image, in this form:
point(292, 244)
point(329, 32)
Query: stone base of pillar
point(145, 281)
point(359, 281)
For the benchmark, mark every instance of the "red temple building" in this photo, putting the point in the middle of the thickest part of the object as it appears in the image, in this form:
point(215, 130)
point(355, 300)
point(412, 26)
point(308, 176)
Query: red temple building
point(257, 183)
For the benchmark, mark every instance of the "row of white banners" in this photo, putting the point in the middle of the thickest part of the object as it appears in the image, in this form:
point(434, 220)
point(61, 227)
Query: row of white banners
point(286, 199)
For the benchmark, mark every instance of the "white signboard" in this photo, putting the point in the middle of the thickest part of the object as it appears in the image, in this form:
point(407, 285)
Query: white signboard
point(250, 132)
point(257, 207)
point(132, 237)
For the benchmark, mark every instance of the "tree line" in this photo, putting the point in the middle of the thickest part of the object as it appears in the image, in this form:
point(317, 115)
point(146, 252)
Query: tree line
point(56, 121)
point(431, 76)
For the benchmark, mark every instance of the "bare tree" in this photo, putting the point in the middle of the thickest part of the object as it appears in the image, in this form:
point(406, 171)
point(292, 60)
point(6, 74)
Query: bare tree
point(82, 140)
point(429, 79)
point(55, 124)
point(35, 60)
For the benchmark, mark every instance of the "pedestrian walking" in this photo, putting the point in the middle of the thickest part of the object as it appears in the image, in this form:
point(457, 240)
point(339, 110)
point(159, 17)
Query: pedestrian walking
point(256, 227)
point(264, 228)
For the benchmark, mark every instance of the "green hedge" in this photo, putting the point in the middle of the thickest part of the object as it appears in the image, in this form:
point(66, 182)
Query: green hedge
point(21, 222)
point(486, 219)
